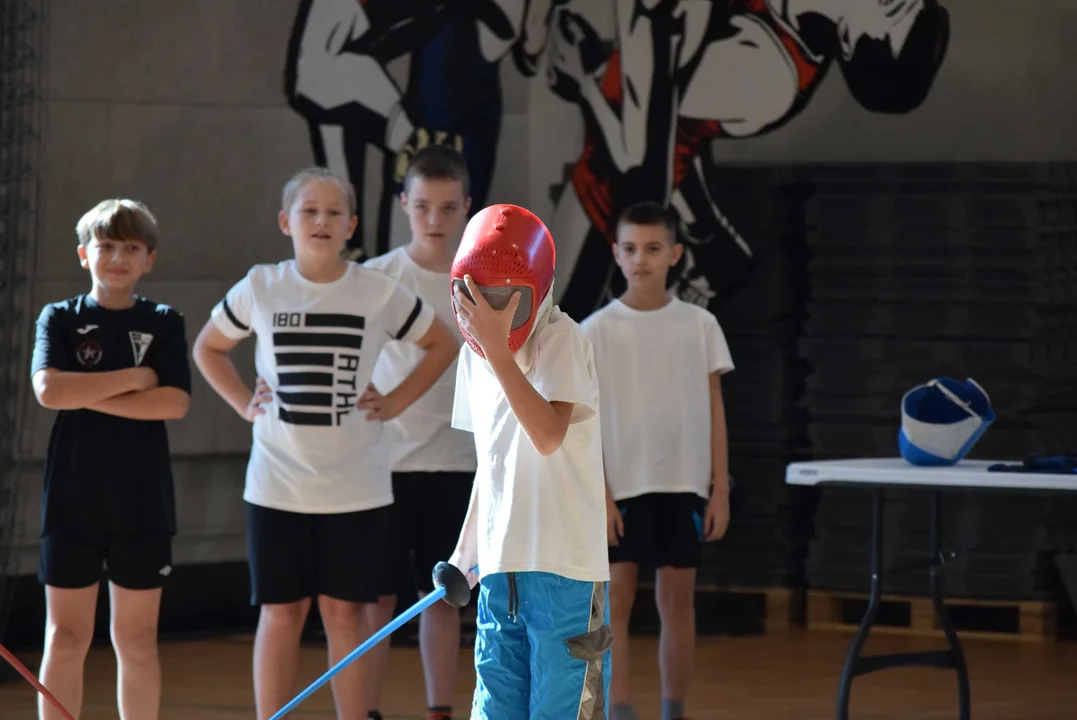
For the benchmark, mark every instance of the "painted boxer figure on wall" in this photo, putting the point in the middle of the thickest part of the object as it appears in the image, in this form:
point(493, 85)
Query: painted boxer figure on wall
point(679, 74)
point(336, 79)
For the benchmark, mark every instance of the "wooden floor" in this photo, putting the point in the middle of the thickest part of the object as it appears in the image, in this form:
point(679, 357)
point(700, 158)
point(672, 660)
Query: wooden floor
point(779, 676)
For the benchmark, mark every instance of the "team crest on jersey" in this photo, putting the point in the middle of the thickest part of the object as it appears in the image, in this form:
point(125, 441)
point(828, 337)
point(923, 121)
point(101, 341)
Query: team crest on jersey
point(140, 343)
point(88, 353)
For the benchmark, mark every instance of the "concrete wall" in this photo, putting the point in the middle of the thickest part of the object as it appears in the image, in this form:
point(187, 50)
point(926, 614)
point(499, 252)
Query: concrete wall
point(182, 106)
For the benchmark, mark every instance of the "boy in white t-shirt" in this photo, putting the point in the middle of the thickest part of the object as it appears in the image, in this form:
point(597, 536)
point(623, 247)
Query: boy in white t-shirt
point(433, 462)
point(528, 390)
point(660, 362)
point(318, 487)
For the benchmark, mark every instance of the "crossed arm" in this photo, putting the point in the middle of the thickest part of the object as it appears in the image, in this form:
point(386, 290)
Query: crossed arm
point(130, 393)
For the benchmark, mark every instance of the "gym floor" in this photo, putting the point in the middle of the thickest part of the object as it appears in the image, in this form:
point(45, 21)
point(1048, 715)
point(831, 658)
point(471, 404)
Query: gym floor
point(783, 675)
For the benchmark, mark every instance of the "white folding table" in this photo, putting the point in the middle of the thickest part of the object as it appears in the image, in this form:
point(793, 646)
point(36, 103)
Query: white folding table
point(879, 474)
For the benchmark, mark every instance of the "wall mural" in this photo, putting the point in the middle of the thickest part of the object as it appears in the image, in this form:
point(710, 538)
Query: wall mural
point(336, 79)
point(672, 77)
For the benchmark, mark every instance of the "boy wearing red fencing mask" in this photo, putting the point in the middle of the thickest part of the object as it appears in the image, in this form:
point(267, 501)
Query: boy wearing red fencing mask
point(527, 389)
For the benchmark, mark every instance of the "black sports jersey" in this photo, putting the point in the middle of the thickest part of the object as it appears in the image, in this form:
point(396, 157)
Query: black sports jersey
point(104, 472)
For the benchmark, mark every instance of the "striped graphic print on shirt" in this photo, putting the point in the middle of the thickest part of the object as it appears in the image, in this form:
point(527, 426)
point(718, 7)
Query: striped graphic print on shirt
point(317, 359)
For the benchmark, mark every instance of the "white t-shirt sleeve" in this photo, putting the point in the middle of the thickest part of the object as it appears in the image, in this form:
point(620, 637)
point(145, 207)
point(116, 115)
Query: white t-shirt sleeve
point(407, 317)
point(589, 327)
point(565, 371)
point(592, 331)
point(719, 359)
point(461, 406)
point(381, 263)
point(233, 314)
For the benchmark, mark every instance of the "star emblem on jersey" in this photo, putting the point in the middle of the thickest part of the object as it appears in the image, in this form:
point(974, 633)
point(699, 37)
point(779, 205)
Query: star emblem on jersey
point(88, 353)
point(140, 343)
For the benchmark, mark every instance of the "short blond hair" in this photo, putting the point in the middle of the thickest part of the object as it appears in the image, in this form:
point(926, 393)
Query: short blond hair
point(301, 178)
point(118, 219)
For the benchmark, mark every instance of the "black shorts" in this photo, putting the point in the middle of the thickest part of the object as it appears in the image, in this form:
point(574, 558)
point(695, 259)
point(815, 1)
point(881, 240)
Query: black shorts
point(429, 509)
point(140, 561)
point(661, 530)
point(295, 556)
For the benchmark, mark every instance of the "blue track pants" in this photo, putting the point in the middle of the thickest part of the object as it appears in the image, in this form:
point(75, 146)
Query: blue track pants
point(542, 648)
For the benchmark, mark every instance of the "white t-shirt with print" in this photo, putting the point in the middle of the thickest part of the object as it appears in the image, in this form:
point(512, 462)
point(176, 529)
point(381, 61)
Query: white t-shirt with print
point(654, 371)
point(316, 347)
point(422, 438)
point(538, 513)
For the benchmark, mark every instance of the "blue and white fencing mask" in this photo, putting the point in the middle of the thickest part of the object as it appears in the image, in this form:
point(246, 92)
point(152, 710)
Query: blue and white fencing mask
point(941, 421)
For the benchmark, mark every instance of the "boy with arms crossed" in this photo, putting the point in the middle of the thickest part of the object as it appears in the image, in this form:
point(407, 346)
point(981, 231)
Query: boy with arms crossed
point(318, 486)
point(115, 367)
point(527, 389)
point(660, 362)
point(433, 462)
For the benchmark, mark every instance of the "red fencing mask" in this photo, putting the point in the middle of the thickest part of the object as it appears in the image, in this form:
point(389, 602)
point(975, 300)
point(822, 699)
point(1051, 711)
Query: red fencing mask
point(506, 249)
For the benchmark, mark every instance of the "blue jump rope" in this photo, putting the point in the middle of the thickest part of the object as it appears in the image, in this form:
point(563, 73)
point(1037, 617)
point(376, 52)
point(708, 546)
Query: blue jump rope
point(449, 584)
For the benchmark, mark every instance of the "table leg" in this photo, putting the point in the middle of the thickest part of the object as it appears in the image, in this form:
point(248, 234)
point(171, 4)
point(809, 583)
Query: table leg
point(852, 658)
point(858, 664)
point(957, 654)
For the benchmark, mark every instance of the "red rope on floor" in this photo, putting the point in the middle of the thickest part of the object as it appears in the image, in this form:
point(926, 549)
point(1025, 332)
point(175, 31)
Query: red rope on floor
point(14, 662)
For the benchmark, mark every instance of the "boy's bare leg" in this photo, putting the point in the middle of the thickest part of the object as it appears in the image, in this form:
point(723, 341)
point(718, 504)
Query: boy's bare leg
point(675, 591)
point(134, 638)
point(276, 655)
point(346, 628)
point(623, 579)
point(69, 626)
point(378, 615)
point(439, 644)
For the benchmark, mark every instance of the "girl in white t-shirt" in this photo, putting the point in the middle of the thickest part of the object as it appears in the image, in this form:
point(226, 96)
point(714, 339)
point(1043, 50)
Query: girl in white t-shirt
point(318, 480)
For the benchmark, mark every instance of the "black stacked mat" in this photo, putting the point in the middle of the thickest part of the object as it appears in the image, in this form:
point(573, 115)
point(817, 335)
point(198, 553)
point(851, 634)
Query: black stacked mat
point(961, 270)
point(762, 320)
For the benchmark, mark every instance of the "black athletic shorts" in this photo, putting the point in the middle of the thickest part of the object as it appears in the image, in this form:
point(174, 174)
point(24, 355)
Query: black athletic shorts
point(429, 509)
point(136, 561)
point(294, 556)
point(661, 530)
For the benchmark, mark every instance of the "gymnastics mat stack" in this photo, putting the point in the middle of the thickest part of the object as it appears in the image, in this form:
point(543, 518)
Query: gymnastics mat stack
point(920, 271)
point(761, 319)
